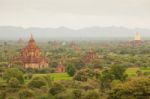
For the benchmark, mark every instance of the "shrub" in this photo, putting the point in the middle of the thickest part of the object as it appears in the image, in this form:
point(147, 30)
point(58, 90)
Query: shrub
point(14, 72)
point(91, 95)
point(25, 93)
point(37, 82)
point(71, 70)
point(13, 83)
point(63, 96)
point(2, 94)
point(28, 76)
point(138, 88)
point(45, 96)
point(85, 74)
point(56, 88)
point(77, 94)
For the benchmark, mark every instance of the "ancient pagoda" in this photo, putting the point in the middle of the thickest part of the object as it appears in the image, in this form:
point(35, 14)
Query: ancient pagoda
point(90, 55)
point(30, 56)
point(137, 39)
point(60, 68)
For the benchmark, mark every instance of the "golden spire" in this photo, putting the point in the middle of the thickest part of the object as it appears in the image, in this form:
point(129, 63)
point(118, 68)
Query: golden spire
point(137, 36)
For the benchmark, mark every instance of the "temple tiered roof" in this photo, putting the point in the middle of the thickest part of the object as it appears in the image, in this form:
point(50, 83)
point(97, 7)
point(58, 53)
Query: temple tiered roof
point(30, 56)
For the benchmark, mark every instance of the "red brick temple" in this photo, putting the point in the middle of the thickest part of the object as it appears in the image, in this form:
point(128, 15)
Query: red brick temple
point(60, 68)
point(90, 55)
point(30, 56)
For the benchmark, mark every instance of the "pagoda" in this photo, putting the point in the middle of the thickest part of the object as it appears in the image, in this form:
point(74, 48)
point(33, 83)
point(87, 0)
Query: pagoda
point(60, 68)
point(137, 39)
point(90, 55)
point(30, 56)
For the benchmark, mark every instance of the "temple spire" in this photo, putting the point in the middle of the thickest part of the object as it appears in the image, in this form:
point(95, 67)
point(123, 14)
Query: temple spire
point(31, 36)
point(137, 36)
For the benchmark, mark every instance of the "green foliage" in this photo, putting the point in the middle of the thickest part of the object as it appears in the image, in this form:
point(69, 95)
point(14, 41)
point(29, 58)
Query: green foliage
point(2, 94)
point(54, 64)
point(45, 96)
point(56, 88)
point(49, 80)
point(77, 63)
point(26, 93)
point(13, 72)
point(42, 70)
point(28, 76)
point(115, 72)
point(106, 78)
point(85, 74)
point(37, 82)
point(13, 83)
point(87, 87)
point(77, 93)
point(55, 76)
point(91, 95)
point(71, 69)
point(63, 96)
point(138, 88)
point(3, 64)
point(118, 72)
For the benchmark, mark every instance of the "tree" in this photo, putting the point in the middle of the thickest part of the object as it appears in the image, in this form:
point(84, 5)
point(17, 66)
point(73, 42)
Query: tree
point(56, 88)
point(37, 82)
point(71, 69)
point(77, 94)
point(138, 88)
point(115, 72)
point(106, 78)
point(13, 72)
point(49, 80)
point(13, 83)
point(85, 74)
point(119, 72)
point(26, 93)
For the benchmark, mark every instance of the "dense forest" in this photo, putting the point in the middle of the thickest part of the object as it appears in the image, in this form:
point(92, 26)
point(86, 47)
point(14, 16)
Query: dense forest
point(115, 70)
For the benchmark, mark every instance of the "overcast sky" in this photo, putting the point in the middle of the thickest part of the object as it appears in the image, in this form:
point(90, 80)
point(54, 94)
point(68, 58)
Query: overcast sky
point(75, 13)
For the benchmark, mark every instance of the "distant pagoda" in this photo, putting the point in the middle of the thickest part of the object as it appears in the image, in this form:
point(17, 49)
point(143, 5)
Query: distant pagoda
point(90, 55)
point(60, 68)
point(20, 41)
point(137, 39)
point(30, 56)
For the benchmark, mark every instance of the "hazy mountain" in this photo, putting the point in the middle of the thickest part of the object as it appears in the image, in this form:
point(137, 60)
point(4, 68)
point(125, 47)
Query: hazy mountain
point(10, 32)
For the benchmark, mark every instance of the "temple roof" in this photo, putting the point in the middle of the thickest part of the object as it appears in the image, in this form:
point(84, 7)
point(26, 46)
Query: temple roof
point(31, 53)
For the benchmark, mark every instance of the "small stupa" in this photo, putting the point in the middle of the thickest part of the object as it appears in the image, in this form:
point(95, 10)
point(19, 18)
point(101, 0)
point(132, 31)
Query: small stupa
point(60, 68)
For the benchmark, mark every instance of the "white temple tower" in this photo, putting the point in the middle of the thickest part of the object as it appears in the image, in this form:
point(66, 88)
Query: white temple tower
point(137, 37)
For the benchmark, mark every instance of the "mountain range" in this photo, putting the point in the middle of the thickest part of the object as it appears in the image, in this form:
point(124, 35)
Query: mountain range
point(11, 32)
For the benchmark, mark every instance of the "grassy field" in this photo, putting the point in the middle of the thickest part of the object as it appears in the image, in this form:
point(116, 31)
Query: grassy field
point(57, 76)
point(132, 71)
